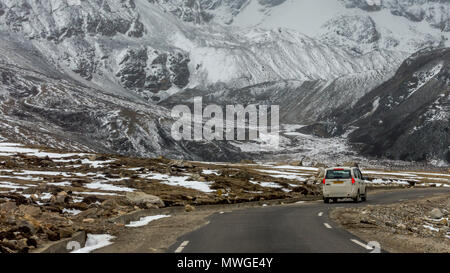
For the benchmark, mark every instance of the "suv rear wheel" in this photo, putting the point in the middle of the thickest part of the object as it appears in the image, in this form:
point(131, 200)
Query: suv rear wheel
point(364, 198)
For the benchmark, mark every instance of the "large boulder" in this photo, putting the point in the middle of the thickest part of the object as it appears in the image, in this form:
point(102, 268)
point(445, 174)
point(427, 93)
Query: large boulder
point(189, 208)
point(142, 199)
point(30, 210)
point(8, 207)
point(436, 213)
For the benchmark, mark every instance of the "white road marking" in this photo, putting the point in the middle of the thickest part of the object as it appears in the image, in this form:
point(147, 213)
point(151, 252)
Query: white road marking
point(178, 250)
point(360, 244)
point(181, 247)
point(320, 214)
point(327, 225)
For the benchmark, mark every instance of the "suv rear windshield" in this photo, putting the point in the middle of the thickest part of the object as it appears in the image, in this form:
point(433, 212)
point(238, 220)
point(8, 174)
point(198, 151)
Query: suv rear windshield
point(338, 174)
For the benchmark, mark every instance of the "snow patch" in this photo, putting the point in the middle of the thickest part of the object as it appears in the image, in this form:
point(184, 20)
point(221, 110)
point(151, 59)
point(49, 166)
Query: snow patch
point(143, 221)
point(95, 241)
point(423, 77)
point(182, 181)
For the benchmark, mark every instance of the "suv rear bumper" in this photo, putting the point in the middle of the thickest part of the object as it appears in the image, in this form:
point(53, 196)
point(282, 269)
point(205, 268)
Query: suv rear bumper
point(350, 193)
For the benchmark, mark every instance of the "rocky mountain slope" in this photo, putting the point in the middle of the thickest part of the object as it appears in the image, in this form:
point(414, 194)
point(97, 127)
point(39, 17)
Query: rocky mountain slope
point(40, 105)
point(407, 117)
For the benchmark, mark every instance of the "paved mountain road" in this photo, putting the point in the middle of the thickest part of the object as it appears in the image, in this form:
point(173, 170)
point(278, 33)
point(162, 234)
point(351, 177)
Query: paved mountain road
point(302, 228)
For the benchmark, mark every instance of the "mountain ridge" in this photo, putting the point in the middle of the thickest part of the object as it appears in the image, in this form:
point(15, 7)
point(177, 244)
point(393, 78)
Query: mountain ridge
point(143, 57)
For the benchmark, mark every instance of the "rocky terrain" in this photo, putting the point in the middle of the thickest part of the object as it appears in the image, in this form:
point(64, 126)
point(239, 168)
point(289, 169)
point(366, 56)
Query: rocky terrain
point(414, 226)
point(48, 195)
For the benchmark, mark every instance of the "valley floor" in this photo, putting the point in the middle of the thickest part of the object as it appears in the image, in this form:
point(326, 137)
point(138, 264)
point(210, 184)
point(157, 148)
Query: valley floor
point(48, 195)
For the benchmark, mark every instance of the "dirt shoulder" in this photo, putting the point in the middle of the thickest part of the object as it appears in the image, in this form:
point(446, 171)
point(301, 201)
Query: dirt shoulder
point(419, 226)
point(157, 236)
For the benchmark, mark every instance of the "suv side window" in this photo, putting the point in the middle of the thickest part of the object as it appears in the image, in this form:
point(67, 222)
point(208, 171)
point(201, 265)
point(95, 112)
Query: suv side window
point(357, 173)
point(360, 174)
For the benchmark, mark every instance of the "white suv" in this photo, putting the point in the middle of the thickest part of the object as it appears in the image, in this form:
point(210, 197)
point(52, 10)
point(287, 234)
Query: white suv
point(344, 182)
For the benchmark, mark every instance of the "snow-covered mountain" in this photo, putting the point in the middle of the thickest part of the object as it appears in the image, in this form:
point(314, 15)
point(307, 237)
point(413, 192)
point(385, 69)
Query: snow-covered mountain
point(134, 46)
point(361, 25)
point(41, 105)
point(153, 54)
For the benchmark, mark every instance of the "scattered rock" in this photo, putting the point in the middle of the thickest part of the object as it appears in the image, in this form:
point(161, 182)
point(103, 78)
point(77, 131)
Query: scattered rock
point(8, 207)
point(62, 193)
point(436, 213)
point(296, 163)
point(109, 203)
point(189, 208)
point(97, 158)
point(26, 226)
point(143, 199)
point(78, 183)
point(32, 242)
point(320, 173)
point(30, 210)
point(320, 165)
point(197, 177)
point(60, 198)
point(51, 235)
point(444, 229)
point(34, 198)
point(90, 213)
point(88, 220)
point(310, 180)
point(65, 232)
point(90, 200)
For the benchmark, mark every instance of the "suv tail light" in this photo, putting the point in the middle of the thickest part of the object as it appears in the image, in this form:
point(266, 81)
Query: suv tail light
point(324, 180)
point(353, 180)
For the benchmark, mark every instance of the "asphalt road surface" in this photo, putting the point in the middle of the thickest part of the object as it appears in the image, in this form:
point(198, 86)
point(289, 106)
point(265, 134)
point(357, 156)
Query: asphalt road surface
point(302, 228)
